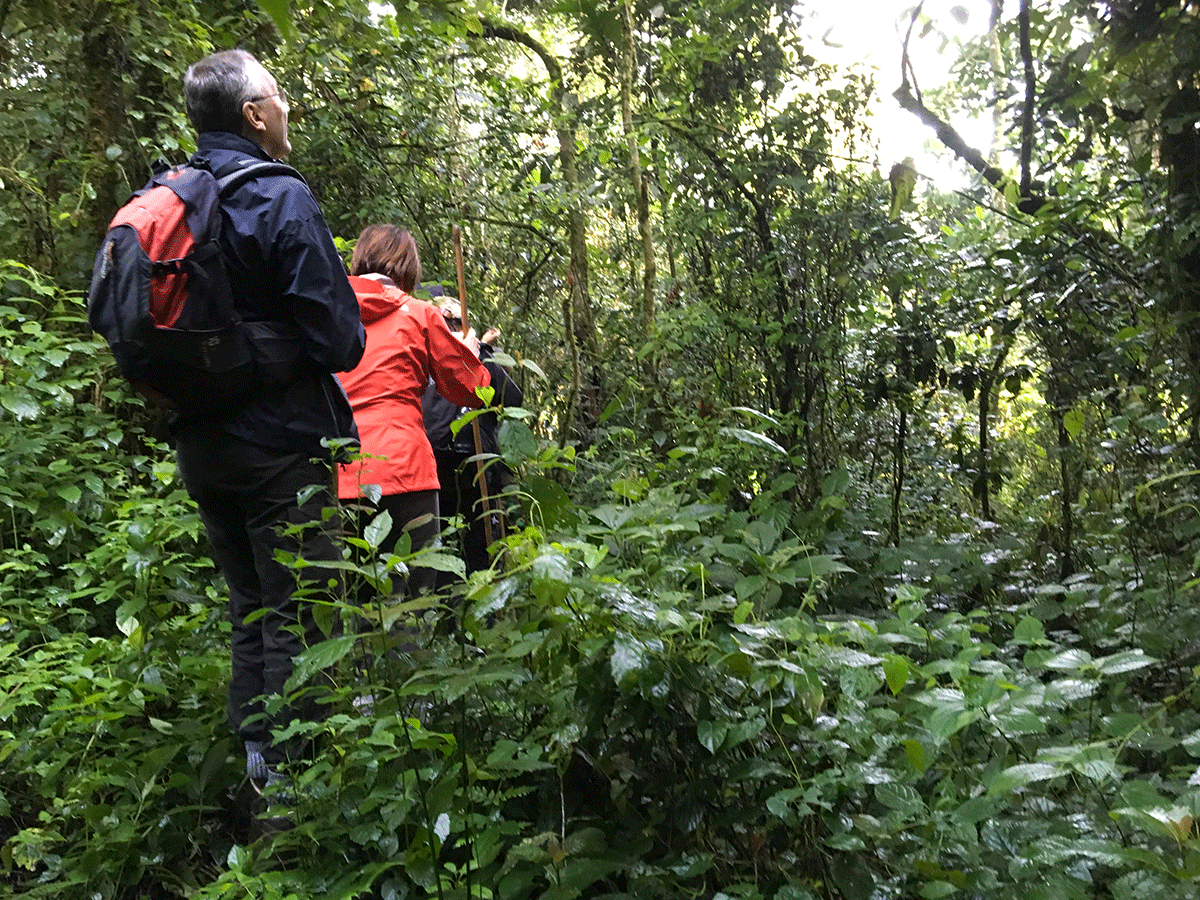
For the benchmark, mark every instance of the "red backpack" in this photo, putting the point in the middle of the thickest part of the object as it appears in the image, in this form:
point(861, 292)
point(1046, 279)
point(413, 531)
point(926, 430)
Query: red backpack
point(160, 295)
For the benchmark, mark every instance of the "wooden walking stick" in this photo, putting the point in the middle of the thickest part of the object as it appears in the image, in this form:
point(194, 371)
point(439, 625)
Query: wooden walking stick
point(476, 433)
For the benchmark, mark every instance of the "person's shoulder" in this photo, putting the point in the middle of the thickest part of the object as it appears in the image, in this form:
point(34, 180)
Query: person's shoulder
point(290, 202)
point(363, 285)
point(283, 182)
point(419, 306)
point(409, 305)
point(261, 178)
point(283, 174)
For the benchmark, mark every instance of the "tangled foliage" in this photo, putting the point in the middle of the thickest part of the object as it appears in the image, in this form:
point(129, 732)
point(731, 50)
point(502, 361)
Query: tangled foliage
point(678, 689)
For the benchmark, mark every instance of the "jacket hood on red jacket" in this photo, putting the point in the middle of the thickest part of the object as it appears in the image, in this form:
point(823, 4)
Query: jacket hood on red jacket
point(376, 300)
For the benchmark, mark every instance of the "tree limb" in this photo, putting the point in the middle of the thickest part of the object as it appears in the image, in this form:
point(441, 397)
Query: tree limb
point(906, 66)
point(577, 306)
point(1030, 98)
point(952, 140)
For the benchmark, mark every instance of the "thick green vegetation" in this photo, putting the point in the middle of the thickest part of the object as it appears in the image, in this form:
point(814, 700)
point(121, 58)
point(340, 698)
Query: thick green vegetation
point(851, 557)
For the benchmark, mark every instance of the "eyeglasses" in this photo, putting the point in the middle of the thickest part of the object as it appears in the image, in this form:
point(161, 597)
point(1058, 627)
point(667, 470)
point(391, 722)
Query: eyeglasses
point(280, 93)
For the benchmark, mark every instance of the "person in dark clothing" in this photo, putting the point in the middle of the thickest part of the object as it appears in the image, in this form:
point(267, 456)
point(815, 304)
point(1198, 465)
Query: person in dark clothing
point(458, 479)
point(251, 469)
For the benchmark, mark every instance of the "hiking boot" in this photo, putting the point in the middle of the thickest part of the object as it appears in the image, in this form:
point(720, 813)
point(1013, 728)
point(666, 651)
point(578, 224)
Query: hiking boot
point(276, 802)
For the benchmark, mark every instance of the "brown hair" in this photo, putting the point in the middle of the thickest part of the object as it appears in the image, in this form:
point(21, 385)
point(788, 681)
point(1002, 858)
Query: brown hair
point(387, 250)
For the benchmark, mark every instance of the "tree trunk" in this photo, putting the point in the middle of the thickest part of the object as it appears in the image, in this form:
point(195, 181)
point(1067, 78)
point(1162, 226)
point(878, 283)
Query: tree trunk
point(638, 182)
point(999, 83)
point(1067, 504)
point(898, 453)
point(985, 450)
point(587, 382)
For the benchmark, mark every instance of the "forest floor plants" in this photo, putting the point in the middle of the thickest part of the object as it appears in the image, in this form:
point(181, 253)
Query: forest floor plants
point(679, 688)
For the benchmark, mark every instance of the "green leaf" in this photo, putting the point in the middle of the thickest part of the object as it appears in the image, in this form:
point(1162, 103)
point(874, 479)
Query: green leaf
point(1023, 774)
point(578, 873)
point(852, 876)
point(318, 657)
point(915, 752)
point(935, 889)
point(1019, 721)
point(855, 659)
point(944, 722)
point(552, 505)
point(1128, 661)
point(464, 420)
point(895, 670)
point(551, 576)
point(441, 827)
point(1191, 743)
point(1069, 660)
point(442, 562)
point(19, 402)
point(517, 443)
point(278, 11)
point(836, 482)
point(128, 626)
point(377, 529)
point(1029, 631)
point(1095, 762)
point(819, 565)
point(534, 368)
point(1073, 421)
point(613, 405)
point(1073, 688)
point(780, 803)
point(809, 691)
point(712, 734)
point(753, 438)
point(899, 797)
point(750, 585)
point(1012, 192)
point(585, 842)
point(237, 857)
point(978, 809)
point(740, 732)
point(756, 414)
point(628, 658)
point(633, 489)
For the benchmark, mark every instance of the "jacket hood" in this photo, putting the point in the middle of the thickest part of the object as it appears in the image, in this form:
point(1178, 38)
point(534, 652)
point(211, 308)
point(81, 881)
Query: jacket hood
point(376, 300)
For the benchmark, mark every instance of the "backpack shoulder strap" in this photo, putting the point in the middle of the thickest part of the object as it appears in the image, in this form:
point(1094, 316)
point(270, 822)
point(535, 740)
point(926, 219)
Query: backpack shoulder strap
point(242, 170)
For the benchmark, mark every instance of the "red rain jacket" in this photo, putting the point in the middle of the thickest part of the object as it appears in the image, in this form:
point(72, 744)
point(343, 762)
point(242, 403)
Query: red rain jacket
point(408, 343)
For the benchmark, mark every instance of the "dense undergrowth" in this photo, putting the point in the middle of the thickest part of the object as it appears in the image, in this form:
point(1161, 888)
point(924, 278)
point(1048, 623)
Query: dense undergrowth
point(683, 681)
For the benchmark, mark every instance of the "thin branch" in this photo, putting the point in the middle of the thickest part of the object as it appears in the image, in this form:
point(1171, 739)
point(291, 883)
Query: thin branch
point(520, 226)
point(719, 165)
point(1030, 99)
point(952, 140)
point(906, 66)
point(515, 35)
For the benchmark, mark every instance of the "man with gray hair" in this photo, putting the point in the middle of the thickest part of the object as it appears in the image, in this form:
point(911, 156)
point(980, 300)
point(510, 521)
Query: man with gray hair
point(259, 471)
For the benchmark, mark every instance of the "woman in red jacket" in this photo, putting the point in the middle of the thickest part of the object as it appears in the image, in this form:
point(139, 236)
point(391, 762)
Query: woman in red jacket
point(408, 344)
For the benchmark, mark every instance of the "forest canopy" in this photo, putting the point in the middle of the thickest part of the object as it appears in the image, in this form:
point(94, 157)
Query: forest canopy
point(853, 546)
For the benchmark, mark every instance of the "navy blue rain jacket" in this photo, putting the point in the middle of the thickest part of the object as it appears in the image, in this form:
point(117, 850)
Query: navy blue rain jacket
point(285, 267)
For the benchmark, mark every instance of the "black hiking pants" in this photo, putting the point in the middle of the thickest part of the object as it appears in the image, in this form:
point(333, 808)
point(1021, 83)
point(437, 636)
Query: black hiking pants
point(248, 497)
